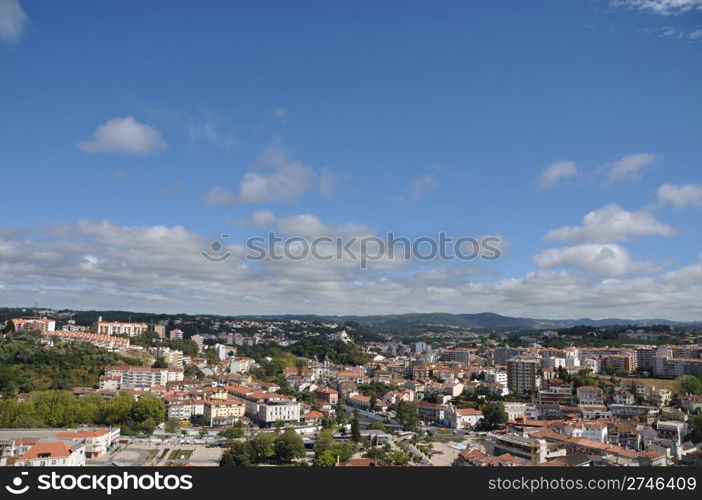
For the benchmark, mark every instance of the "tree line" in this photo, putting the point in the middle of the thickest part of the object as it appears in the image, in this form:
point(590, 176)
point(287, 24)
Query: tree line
point(63, 409)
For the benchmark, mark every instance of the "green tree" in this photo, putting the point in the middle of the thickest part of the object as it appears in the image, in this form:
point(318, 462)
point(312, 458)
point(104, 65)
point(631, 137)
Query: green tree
point(326, 459)
point(147, 413)
point(494, 416)
point(340, 411)
point(234, 432)
point(9, 327)
point(328, 452)
point(689, 384)
point(407, 415)
point(118, 409)
point(289, 445)
point(377, 426)
point(55, 408)
point(238, 454)
point(172, 426)
point(160, 363)
point(90, 408)
point(355, 428)
point(262, 446)
point(397, 458)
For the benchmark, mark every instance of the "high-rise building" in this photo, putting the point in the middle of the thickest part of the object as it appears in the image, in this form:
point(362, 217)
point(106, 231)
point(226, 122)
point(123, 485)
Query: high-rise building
point(522, 375)
point(160, 330)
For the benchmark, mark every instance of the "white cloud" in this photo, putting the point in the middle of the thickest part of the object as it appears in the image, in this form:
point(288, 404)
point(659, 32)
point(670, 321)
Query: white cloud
point(628, 167)
point(209, 130)
point(281, 114)
point(418, 187)
point(259, 218)
point(556, 171)
point(680, 196)
point(103, 265)
point(280, 181)
point(660, 7)
point(675, 33)
point(327, 183)
point(612, 223)
point(124, 135)
point(304, 225)
point(422, 185)
point(609, 259)
point(13, 20)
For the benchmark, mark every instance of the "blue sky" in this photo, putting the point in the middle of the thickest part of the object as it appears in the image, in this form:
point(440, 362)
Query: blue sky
point(133, 133)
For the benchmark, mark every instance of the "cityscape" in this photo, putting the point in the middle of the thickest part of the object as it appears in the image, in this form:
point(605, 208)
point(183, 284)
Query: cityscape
point(216, 391)
point(339, 239)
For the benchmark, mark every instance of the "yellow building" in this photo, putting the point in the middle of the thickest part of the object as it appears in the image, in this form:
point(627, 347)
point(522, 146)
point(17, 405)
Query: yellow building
point(223, 412)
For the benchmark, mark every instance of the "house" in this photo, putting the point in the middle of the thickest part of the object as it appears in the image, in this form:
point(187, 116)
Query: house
point(589, 395)
point(461, 418)
point(624, 398)
point(431, 413)
point(327, 394)
point(313, 417)
point(97, 441)
point(476, 458)
point(360, 401)
point(223, 411)
point(51, 454)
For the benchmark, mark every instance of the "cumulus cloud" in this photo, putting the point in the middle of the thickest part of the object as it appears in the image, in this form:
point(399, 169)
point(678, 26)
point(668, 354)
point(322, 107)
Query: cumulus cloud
point(629, 167)
point(304, 225)
point(680, 196)
point(555, 172)
point(660, 7)
point(280, 180)
point(612, 223)
point(159, 268)
point(100, 265)
point(258, 219)
point(13, 21)
point(124, 135)
point(608, 259)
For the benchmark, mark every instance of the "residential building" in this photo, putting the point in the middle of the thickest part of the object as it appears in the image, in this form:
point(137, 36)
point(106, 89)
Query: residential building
point(119, 328)
point(522, 375)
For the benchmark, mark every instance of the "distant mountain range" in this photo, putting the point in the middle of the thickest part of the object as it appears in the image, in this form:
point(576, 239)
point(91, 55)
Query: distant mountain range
point(410, 321)
point(486, 320)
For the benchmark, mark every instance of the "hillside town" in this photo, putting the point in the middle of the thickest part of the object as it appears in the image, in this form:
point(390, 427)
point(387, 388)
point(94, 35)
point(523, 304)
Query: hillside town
point(213, 391)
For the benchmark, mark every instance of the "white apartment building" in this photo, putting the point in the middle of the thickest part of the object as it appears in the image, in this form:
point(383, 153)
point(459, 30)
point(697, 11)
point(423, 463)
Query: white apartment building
point(171, 356)
point(590, 395)
point(515, 409)
point(137, 377)
point(278, 411)
point(186, 409)
point(119, 328)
